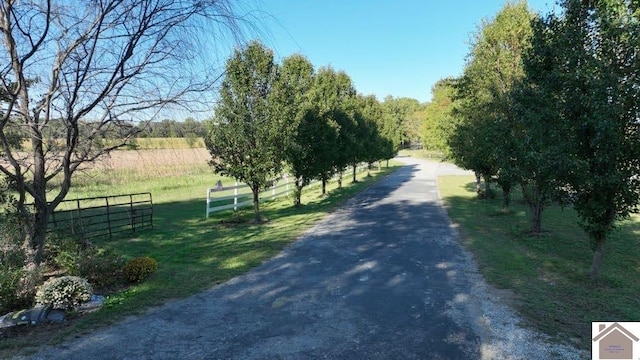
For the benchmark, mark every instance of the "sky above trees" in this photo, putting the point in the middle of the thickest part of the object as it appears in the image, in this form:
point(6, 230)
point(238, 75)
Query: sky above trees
point(399, 48)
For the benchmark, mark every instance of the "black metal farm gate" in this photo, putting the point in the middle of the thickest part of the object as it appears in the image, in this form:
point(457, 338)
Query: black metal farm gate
point(103, 216)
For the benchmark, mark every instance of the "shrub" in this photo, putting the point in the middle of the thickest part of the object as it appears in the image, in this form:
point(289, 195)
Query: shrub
point(69, 255)
point(139, 268)
point(9, 284)
point(65, 292)
point(101, 267)
point(17, 286)
point(61, 252)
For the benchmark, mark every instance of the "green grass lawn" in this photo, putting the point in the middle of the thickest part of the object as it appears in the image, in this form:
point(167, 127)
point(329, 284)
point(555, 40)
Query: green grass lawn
point(193, 253)
point(548, 274)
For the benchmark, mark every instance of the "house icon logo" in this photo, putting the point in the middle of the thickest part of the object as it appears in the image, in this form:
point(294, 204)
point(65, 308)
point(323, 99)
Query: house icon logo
point(614, 341)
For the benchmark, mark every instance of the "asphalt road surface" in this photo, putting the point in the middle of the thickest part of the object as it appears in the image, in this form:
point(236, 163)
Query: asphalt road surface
point(380, 278)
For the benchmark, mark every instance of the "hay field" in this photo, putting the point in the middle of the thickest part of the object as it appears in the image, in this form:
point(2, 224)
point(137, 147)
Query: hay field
point(156, 162)
point(164, 172)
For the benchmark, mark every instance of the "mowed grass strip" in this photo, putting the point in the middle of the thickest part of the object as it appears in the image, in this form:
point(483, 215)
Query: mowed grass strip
point(193, 253)
point(548, 274)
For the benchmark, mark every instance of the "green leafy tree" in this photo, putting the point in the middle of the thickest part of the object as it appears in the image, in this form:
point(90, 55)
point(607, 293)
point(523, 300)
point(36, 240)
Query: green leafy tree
point(355, 133)
point(248, 134)
point(318, 134)
point(297, 74)
point(345, 115)
point(598, 87)
point(538, 139)
point(374, 145)
point(399, 112)
point(485, 89)
point(439, 119)
point(330, 95)
point(385, 125)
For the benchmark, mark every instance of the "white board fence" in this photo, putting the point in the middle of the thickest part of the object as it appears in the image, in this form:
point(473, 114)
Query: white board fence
point(222, 197)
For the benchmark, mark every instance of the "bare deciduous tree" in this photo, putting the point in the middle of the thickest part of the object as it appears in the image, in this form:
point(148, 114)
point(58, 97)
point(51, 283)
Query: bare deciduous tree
point(96, 67)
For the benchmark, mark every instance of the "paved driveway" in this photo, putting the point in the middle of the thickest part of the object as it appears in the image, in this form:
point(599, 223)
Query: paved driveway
point(380, 278)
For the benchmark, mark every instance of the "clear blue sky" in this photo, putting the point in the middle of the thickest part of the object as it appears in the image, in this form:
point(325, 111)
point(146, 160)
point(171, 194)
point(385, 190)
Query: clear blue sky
point(392, 47)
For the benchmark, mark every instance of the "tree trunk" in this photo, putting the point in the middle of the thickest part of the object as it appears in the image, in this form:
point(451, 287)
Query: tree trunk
point(255, 189)
point(36, 222)
point(487, 187)
point(35, 231)
point(536, 216)
point(340, 180)
point(324, 185)
point(536, 201)
point(506, 197)
point(297, 192)
point(598, 255)
point(355, 170)
point(478, 180)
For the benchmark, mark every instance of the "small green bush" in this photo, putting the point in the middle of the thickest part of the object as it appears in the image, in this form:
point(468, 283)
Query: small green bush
point(139, 268)
point(9, 286)
point(101, 267)
point(65, 292)
point(17, 286)
point(61, 252)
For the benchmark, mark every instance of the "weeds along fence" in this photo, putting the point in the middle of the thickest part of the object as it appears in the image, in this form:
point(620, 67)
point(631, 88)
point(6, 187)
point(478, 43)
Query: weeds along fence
point(103, 216)
point(239, 195)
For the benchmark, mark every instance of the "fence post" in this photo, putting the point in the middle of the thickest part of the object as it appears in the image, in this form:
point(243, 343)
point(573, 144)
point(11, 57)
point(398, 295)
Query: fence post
point(131, 211)
point(151, 205)
point(106, 199)
point(273, 190)
point(208, 201)
point(235, 197)
point(79, 222)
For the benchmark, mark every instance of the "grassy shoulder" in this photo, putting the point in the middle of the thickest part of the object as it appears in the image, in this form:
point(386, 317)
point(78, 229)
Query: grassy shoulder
point(548, 274)
point(193, 253)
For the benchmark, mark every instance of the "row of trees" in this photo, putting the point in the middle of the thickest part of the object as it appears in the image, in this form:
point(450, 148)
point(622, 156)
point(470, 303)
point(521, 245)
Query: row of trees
point(550, 104)
point(289, 115)
point(73, 76)
point(167, 128)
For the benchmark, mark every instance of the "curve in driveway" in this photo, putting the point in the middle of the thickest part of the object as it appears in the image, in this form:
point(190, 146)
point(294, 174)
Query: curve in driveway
point(376, 279)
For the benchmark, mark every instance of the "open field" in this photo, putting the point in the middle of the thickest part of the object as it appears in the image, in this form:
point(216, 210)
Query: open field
point(193, 253)
point(168, 143)
point(150, 143)
point(547, 276)
point(169, 174)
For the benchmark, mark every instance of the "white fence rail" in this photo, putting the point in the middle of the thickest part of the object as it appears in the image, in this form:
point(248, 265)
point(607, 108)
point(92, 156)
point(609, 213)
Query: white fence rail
point(223, 197)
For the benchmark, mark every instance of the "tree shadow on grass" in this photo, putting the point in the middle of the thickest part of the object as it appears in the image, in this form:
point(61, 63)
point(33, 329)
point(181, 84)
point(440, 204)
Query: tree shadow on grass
point(549, 273)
